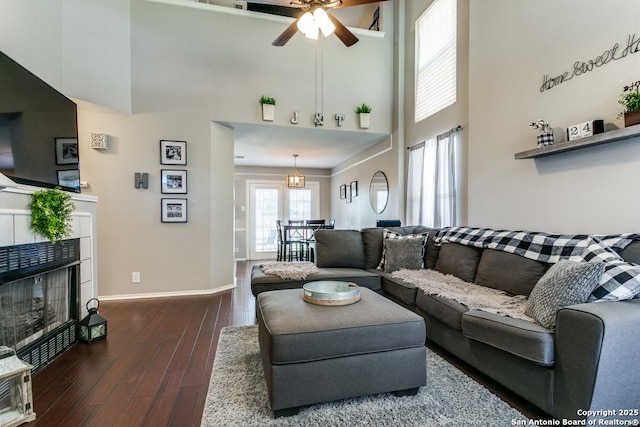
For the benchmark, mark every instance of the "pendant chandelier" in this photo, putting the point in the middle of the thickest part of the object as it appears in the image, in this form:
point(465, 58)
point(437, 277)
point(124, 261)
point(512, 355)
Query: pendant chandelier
point(296, 180)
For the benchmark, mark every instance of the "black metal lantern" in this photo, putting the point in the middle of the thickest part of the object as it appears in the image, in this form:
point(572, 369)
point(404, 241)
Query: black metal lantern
point(93, 327)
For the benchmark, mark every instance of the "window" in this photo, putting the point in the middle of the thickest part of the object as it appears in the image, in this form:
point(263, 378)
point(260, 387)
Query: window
point(299, 204)
point(436, 31)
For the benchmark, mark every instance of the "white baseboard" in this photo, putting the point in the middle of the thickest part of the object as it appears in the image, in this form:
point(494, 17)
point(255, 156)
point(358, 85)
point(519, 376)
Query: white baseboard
point(166, 294)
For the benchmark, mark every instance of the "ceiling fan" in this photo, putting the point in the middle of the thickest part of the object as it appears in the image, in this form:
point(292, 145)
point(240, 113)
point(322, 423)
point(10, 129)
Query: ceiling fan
point(316, 19)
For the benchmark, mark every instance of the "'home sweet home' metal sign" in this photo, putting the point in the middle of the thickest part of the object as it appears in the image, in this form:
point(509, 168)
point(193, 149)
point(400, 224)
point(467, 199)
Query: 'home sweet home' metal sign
point(582, 67)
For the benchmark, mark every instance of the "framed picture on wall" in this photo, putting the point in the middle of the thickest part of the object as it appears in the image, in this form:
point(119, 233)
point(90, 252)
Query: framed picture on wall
point(174, 210)
point(173, 181)
point(349, 194)
point(343, 192)
point(66, 151)
point(69, 178)
point(354, 188)
point(173, 152)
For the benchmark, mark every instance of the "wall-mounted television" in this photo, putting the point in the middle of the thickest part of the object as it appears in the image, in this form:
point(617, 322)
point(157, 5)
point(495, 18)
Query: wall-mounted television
point(38, 131)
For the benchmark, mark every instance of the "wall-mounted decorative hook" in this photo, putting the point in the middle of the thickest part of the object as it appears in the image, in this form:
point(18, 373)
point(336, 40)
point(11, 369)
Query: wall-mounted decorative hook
point(296, 118)
point(340, 119)
point(318, 120)
point(141, 180)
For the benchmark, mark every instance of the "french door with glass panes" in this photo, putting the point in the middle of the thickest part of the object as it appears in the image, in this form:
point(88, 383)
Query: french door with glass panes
point(270, 201)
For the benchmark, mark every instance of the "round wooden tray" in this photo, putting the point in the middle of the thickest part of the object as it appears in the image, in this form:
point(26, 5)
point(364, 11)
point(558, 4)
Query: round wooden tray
point(330, 292)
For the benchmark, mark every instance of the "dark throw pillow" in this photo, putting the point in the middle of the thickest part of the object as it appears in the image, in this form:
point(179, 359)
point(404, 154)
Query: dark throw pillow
point(404, 253)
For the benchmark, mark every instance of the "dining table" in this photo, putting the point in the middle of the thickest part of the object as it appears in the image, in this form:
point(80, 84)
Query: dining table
point(304, 236)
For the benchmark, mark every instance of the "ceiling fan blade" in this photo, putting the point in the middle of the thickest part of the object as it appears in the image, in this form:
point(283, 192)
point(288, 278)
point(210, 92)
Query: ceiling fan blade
point(342, 32)
point(348, 3)
point(286, 35)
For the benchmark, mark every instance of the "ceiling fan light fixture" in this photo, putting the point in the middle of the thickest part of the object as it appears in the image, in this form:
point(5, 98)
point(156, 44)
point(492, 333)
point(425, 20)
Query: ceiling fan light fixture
point(323, 22)
point(307, 25)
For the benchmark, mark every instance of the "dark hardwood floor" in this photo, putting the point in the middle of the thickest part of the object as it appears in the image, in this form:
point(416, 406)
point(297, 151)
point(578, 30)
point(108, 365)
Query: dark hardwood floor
point(154, 367)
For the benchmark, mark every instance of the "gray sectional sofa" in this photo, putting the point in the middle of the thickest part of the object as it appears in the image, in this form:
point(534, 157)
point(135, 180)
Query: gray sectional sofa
point(588, 363)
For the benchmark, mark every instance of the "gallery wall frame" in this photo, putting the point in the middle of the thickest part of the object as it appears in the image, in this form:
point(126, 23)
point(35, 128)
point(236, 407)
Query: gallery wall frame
point(173, 210)
point(173, 152)
point(66, 151)
point(173, 181)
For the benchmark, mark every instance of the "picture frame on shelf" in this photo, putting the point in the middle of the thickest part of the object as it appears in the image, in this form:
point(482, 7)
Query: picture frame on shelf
point(69, 178)
point(343, 191)
point(173, 181)
point(354, 188)
point(173, 152)
point(66, 151)
point(174, 210)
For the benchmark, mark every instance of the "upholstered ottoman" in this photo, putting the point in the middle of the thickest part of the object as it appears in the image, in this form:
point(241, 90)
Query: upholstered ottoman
point(313, 353)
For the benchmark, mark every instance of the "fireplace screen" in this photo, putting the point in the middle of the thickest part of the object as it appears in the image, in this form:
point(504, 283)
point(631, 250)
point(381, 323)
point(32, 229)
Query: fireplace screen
point(34, 306)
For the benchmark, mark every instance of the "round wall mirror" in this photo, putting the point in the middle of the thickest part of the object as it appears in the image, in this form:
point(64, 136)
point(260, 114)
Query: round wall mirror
point(379, 192)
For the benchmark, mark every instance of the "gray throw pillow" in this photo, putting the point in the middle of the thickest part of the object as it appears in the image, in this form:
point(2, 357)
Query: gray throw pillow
point(404, 253)
point(565, 283)
point(390, 234)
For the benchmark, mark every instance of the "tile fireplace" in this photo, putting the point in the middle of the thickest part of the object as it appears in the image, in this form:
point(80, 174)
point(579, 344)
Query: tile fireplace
point(39, 286)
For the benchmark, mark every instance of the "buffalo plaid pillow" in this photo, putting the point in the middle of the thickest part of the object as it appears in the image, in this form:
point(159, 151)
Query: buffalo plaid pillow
point(620, 280)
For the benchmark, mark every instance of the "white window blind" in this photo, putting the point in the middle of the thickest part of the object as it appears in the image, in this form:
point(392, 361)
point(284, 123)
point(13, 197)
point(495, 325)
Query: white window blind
point(436, 31)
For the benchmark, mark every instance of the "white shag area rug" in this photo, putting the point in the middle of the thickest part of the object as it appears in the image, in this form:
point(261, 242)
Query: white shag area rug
point(289, 270)
point(475, 297)
point(237, 397)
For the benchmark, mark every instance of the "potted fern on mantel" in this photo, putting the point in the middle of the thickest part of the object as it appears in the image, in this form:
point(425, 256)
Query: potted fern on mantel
point(268, 108)
point(630, 99)
point(364, 115)
point(51, 214)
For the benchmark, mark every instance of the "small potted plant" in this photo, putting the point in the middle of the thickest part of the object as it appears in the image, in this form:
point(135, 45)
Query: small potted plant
point(545, 133)
point(630, 99)
point(51, 214)
point(268, 108)
point(364, 114)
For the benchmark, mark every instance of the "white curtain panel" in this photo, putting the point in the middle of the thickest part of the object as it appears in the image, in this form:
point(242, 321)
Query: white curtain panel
point(432, 194)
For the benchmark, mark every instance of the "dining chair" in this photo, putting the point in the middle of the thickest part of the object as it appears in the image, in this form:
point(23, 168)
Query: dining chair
point(293, 242)
point(311, 237)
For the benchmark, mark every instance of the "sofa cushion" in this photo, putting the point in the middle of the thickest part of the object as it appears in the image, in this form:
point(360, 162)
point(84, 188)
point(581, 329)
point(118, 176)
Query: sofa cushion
point(300, 332)
point(261, 282)
point(339, 248)
point(459, 260)
point(404, 253)
point(631, 253)
point(443, 309)
point(404, 292)
point(508, 272)
point(566, 283)
point(519, 337)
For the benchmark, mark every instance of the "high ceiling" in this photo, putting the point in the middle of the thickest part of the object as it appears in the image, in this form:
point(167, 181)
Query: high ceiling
point(274, 146)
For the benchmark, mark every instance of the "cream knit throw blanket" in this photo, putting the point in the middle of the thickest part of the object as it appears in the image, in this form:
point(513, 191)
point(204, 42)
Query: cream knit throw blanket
point(475, 297)
point(289, 270)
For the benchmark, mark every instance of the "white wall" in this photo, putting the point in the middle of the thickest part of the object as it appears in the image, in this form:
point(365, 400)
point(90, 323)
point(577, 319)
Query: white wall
point(452, 116)
point(190, 67)
point(512, 45)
